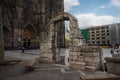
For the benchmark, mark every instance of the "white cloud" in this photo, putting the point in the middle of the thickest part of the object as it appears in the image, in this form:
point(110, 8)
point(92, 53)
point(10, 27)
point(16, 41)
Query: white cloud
point(115, 2)
point(70, 3)
point(102, 7)
point(87, 20)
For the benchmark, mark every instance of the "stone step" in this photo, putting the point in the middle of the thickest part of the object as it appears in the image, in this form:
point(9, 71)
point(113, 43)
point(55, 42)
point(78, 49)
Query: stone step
point(90, 68)
point(29, 65)
point(98, 76)
point(78, 63)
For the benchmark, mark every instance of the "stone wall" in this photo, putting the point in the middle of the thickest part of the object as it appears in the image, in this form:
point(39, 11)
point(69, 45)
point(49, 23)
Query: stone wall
point(86, 57)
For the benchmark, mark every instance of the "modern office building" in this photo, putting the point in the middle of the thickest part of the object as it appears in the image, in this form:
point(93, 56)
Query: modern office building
point(99, 35)
point(102, 35)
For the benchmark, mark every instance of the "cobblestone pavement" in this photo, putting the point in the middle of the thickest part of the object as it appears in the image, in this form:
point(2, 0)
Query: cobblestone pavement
point(48, 72)
point(35, 52)
point(43, 71)
point(47, 75)
point(16, 55)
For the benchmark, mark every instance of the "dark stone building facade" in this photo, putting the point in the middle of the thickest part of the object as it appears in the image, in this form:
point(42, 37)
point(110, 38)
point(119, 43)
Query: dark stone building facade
point(25, 21)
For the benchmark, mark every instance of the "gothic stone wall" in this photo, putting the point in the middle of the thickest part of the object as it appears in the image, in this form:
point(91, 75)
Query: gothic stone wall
point(18, 13)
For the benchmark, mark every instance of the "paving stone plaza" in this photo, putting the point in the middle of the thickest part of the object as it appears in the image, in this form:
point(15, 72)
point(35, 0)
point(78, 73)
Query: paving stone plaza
point(44, 71)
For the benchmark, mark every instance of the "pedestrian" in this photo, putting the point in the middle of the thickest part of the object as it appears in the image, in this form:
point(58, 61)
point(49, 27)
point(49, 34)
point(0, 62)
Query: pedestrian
point(112, 50)
point(119, 48)
point(23, 49)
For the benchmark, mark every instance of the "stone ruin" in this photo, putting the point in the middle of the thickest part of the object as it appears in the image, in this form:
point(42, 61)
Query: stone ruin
point(48, 48)
point(86, 57)
point(82, 57)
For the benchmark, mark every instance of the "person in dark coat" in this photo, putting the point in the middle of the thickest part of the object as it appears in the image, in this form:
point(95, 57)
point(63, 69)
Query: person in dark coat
point(23, 49)
point(112, 50)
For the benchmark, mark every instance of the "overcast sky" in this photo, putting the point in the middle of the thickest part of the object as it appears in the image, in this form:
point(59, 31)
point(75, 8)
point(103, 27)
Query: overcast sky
point(94, 12)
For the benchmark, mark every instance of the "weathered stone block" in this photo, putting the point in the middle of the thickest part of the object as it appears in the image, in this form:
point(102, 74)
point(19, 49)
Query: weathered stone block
point(75, 54)
point(95, 59)
point(80, 59)
point(78, 65)
point(110, 67)
point(92, 59)
point(88, 59)
point(117, 68)
point(75, 41)
point(70, 59)
point(113, 65)
point(94, 64)
point(74, 49)
point(46, 58)
point(71, 52)
point(73, 36)
point(81, 54)
point(90, 68)
point(74, 58)
point(92, 54)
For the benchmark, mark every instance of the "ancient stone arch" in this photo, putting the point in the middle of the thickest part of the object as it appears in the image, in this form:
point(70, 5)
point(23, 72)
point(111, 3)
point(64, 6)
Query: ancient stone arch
point(48, 46)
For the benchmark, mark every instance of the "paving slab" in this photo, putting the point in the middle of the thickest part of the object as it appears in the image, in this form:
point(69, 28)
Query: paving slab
point(53, 74)
point(99, 75)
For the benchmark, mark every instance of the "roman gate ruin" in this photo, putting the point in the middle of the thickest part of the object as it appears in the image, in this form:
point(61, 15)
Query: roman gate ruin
point(48, 47)
point(80, 56)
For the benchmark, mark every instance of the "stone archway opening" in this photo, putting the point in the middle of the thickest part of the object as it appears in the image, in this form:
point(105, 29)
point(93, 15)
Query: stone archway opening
point(30, 38)
point(81, 56)
point(49, 46)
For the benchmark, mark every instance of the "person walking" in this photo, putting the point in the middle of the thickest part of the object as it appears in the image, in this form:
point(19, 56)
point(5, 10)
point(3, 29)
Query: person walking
point(119, 48)
point(112, 51)
point(24, 46)
point(23, 49)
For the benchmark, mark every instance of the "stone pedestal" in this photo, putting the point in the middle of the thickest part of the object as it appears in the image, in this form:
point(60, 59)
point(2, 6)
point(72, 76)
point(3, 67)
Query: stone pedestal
point(113, 65)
